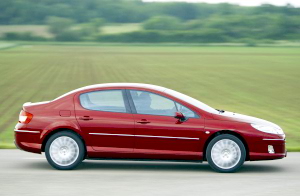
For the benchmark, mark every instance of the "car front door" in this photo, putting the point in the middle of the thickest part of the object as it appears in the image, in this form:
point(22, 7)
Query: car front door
point(105, 119)
point(158, 134)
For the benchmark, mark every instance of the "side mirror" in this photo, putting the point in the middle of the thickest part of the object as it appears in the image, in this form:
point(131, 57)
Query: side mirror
point(179, 116)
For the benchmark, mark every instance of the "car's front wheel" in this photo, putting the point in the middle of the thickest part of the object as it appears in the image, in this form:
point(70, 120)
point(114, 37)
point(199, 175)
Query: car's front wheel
point(64, 150)
point(226, 153)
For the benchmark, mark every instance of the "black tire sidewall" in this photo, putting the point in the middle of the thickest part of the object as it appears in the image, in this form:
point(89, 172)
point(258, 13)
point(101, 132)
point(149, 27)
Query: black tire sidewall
point(80, 146)
point(236, 140)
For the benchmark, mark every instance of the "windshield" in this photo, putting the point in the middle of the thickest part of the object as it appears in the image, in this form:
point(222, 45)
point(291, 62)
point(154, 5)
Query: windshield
point(192, 101)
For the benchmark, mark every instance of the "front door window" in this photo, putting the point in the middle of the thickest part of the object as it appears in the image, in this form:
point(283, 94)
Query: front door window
point(151, 103)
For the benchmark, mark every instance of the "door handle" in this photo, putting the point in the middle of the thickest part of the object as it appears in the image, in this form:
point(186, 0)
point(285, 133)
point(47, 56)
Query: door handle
point(85, 118)
point(143, 121)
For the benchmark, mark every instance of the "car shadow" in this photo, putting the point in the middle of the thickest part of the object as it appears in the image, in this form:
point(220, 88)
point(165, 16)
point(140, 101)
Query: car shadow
point(156, 166)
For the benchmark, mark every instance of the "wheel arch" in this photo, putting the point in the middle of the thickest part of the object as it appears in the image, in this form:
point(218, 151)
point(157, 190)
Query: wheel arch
point(230, 133)
point(59, 130)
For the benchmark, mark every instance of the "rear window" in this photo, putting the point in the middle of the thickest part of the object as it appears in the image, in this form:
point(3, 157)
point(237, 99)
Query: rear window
point(107, 100)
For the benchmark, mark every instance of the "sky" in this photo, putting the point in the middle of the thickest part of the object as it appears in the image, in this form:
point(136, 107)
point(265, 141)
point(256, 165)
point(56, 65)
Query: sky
point(295, 3)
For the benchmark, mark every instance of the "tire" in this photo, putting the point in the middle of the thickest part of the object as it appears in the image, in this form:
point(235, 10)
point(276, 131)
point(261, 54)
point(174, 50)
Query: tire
point(64, 150)
point(226, 153)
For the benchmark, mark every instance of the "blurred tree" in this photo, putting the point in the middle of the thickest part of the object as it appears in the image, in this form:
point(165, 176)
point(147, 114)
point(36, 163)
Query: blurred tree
point(194, 24)
point(162, 23)
point(123, 11)
point(184, 11)
point(58, 25)
point(97, 23)
point(226, 9)
point(88, 30)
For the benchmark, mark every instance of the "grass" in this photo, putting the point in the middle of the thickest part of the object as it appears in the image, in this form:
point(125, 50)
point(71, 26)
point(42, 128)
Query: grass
point(7, 146)
point(258, 81)
point(6, 45)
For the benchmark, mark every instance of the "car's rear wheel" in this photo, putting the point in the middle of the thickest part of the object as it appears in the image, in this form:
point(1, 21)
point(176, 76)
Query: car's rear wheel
point(226, 153)
point(64, 150)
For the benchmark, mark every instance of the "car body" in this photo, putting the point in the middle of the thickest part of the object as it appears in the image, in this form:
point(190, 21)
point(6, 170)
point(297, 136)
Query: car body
point(136, 121)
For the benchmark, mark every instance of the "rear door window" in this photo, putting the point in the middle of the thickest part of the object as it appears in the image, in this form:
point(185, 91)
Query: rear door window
point(106, 100)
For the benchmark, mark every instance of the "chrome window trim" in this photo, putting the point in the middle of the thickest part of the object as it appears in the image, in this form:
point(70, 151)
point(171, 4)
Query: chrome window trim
point(26, 131)
point(153, 136)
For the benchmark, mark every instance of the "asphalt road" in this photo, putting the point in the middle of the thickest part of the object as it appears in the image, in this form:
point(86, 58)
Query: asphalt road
point(23, 173)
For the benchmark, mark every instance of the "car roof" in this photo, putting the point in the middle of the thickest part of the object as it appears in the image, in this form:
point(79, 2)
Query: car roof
point(121, 85)
point(138, 85)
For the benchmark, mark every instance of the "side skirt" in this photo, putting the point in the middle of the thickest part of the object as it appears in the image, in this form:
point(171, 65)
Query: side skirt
point(151, 160)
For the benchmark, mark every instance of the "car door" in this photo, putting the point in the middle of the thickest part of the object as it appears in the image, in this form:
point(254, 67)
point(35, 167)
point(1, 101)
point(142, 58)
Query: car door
point(157, 133)
point(104, 117)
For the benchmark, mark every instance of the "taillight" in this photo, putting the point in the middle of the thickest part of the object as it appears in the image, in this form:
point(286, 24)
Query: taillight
point(25, 117)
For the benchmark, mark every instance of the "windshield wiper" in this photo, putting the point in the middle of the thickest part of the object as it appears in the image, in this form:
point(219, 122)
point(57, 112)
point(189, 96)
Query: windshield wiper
point(221, 111)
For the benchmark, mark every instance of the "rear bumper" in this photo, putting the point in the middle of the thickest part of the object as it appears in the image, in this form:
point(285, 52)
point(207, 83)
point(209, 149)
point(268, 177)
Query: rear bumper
point(28, 140)
point(260, 150)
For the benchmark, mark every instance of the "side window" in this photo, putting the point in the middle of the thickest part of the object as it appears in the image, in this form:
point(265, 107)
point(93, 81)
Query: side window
point(107, 100)
point(186, 111)
point(150, 103)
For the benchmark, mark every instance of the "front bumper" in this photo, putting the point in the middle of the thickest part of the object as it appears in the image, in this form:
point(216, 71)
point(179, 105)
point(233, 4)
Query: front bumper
point(260, 150)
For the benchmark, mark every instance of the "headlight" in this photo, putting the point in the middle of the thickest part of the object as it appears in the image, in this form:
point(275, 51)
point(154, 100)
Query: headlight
point(268, 129)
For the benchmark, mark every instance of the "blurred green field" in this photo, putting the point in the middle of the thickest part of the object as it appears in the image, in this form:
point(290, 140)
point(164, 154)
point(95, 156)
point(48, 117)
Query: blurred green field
point(121, 28)
point(263, 82)
point(42, 30)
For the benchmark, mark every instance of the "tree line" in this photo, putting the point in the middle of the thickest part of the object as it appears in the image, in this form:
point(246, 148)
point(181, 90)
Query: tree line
point(161, 22)
point(123, 11)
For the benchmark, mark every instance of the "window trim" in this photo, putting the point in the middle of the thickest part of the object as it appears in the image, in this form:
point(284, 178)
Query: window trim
point(197, 115)
point(130, 101)
point(133, 109)
point(124, 96)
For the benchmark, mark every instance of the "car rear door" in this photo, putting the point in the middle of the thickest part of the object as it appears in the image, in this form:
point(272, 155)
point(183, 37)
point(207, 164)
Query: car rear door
point(158, 134)
point(105, 119)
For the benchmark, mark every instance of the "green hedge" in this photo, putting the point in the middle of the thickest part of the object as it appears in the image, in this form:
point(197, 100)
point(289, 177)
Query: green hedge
point(69, 36)
point(23, 36)
point(204, 36)
point(147, 36)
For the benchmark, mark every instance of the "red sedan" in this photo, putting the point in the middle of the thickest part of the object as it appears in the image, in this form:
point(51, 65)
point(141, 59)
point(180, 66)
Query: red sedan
point(142, 121)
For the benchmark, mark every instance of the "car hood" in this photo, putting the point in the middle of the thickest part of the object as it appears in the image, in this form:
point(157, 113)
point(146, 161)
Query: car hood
point(231, 116)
